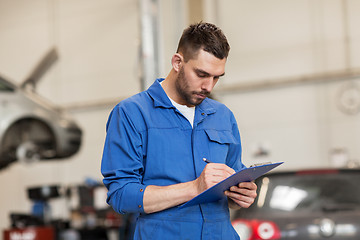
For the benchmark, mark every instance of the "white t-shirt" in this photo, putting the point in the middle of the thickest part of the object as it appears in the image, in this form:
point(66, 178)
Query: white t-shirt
point(188, 112)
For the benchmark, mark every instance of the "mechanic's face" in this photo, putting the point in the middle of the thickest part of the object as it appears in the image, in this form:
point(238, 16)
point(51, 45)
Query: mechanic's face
point(197, 78)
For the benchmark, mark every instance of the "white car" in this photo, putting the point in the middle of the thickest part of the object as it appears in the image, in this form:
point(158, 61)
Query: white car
point(33, 129)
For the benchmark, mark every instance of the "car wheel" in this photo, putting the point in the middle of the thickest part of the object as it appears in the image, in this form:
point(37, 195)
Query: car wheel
point(29, 140)
point(28, 152)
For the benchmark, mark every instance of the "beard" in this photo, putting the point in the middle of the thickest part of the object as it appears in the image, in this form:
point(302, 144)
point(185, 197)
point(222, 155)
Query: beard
point(183, 89)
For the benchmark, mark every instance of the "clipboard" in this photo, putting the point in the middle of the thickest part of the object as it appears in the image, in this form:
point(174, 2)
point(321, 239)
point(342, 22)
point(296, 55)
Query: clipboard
point(216, 192)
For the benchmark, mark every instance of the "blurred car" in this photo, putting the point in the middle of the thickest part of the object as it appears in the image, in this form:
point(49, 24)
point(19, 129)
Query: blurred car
point(33, 129)
point(301, 205)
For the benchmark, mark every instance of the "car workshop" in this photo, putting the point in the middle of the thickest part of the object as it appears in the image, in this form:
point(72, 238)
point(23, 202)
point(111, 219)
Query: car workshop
point(74, 139)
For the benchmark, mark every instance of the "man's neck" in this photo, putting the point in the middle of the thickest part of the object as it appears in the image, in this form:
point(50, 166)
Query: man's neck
point(169, 87)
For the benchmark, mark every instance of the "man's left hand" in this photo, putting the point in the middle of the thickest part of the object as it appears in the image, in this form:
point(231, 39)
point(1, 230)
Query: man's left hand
point(243, 195)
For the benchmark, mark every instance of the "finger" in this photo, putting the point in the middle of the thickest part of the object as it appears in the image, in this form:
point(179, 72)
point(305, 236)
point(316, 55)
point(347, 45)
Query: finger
point(214, 179)
point(220, 167)
point(248, 185)
point(242, 204)
point(226, 168)
point(216, 173)
point(244, 191)
point(239, 199)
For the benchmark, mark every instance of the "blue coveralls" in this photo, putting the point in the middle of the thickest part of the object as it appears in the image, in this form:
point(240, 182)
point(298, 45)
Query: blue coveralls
point(149, 142)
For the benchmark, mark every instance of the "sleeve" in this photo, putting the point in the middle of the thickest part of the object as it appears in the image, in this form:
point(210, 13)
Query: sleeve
point(122, 164)
point(235, 150)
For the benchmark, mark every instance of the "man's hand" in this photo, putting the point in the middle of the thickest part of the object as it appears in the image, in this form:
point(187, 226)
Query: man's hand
point(158, 198)
point(212, 174)
point(242, 195)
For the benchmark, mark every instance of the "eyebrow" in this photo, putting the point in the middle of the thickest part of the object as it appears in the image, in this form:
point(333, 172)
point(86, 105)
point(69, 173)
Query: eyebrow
point(199, 71)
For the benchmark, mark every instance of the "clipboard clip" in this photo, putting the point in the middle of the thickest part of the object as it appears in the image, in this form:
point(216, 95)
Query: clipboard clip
point(260, 164)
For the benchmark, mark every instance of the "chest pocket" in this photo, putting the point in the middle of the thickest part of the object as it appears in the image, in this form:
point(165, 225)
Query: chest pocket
point(219, 143)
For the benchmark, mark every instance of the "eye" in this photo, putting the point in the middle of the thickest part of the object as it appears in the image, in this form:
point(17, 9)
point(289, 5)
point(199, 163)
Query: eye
point(202, 76)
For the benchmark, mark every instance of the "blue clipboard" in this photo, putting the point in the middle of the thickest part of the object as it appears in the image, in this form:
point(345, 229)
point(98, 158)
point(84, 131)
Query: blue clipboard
point(216, 192)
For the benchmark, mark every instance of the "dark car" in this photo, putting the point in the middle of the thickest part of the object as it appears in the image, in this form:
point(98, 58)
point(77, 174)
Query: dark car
point(301, 205)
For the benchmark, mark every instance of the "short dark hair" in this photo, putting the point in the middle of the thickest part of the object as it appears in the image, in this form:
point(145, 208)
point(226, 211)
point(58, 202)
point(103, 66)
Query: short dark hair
point(205, 36)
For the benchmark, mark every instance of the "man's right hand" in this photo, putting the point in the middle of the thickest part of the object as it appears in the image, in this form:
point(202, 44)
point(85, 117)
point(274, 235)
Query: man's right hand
point(212, 174)
point(158, 198)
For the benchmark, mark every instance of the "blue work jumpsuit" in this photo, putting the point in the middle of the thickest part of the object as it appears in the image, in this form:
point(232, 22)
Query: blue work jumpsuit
point(149, 142)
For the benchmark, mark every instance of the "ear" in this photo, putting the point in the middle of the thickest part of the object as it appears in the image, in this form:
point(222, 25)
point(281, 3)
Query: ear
point(176, 61)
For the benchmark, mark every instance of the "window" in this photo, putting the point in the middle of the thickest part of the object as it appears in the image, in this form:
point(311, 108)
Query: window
point(313, 192)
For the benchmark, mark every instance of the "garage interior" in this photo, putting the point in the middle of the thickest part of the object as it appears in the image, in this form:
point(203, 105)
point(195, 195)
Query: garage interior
point(292, 78)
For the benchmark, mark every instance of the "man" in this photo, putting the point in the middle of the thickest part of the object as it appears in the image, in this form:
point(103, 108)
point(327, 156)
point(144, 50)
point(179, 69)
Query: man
point(156, 142)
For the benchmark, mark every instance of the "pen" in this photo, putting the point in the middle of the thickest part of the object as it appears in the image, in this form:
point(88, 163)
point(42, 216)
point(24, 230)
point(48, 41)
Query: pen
point(206, 160)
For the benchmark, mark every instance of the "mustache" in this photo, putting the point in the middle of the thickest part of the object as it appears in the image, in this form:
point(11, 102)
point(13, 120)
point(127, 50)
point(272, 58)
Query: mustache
point(206, 93)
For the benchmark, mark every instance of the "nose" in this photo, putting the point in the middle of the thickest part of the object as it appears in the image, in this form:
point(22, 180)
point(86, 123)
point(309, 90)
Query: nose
point(208, 84)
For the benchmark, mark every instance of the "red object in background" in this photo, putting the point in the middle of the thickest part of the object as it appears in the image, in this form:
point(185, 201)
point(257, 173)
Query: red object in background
point(29, 233)
point(256, 229)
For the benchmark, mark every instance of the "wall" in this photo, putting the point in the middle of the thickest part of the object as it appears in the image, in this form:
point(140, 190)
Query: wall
point(277, 40)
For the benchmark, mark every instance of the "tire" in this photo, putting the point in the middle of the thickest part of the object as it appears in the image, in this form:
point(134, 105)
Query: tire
point(28, 152)
point(27, 140)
